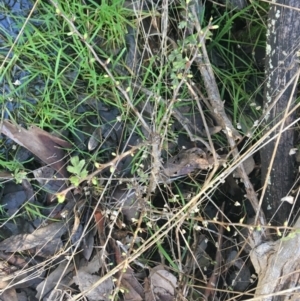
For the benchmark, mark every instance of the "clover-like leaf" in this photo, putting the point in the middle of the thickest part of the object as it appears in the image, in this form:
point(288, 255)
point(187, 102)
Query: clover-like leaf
point(77, 167)
point(75, 180)
point(83, 173)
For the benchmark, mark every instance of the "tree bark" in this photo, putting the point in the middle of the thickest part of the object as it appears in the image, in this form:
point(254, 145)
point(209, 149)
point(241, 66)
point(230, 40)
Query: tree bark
point(281, 50)
point(277, 265)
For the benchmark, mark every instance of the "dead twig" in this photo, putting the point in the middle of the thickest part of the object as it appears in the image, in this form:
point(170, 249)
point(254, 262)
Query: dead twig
point(212, 282)
point(219, 113)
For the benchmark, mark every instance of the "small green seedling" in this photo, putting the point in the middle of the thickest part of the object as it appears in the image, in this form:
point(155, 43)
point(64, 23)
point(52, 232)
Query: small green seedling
point(20, 175)
point(78, 169)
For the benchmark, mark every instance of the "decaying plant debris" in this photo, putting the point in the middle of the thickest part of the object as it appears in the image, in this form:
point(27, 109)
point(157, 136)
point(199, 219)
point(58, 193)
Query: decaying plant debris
point(154, 194)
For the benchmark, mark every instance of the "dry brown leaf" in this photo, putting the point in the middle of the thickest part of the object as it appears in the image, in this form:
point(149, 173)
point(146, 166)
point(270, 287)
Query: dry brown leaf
point(40, 237)
point(49, 249)
point(42, 144)
point(14, 199)
point(95, 139)
point(9, 295)
point(22, 296)
point(5, 175)
point(238, 278)
point(130, 293)
point(134, 290)
point(46, 176)
point(3, 273)
point(198, 257)
point(46, 286)
point(11, 277)
point(100, 226)
point(129, 201)
point(88, 245)
point(28, 190)
point(13, 259)
point(102, 292)
point(149, 295)
point(163, 283)
point(85, 279)
point(92, 266)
